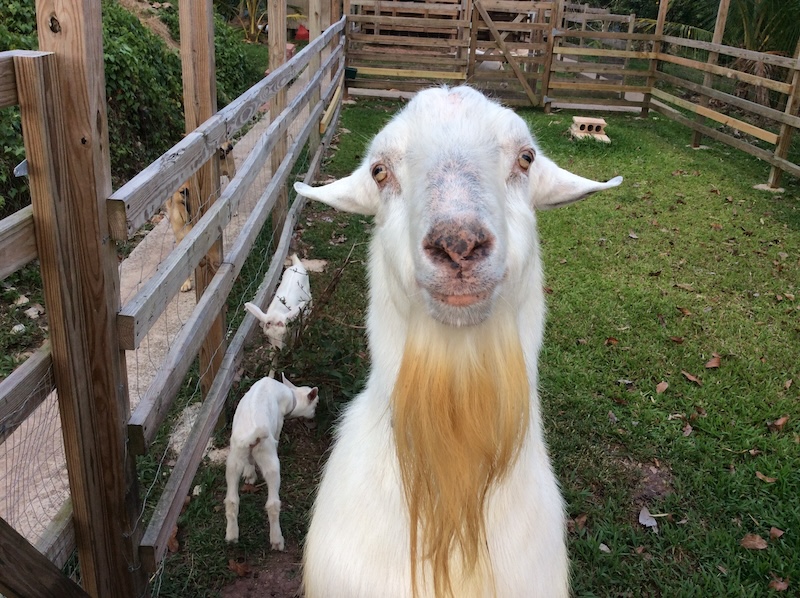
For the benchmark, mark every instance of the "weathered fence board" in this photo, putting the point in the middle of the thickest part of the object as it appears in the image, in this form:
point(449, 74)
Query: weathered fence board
point(24, 390)
point(17, 241)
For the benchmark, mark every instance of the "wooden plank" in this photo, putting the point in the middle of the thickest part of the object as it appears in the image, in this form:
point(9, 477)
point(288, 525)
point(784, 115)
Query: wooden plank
point(369, 58)
point(713, 57)
point(277, 42)
point(411, 74)
point(17, 241)
point(425, 23)
point(604, 35)
point(717, 116)
point(592, 101)
point(726, 72)
point(512, 62)
point(588, 86)
point(408, 41)
point(552, 45)
point(773, 59)
point(155, 403)
point(25, 572)
point(605, 53)
point(602, 69)
point(133, 204)
point(199, 104)
point(739, 144)
point(165, 516)
point(57, 542)
point(410, 6)
point(8, 82)
point(138, 315)
point(792, 103)
point(63, 107)
point(663, 6)
point(24, 389)
point(314, 29)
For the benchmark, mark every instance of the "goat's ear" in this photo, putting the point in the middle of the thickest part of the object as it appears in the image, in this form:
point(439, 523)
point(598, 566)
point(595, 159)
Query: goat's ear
point(286, 382)
point(552, 186)
point(312, 394)
point(256, 311)
point(356, 193)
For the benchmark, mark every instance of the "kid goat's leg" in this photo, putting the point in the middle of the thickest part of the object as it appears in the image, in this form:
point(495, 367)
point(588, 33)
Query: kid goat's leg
point(266, 456)
point(237, 460)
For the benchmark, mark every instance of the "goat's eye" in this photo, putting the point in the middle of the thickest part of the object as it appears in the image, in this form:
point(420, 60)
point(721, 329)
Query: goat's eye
point(525, 158)
point(379, 173)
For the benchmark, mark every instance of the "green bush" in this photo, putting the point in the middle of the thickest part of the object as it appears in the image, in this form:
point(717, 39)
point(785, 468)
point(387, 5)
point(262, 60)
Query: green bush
point(143, 89)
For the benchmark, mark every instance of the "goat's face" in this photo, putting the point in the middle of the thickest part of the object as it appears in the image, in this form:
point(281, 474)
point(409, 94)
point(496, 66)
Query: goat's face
point(275, 330)
point(306, 399)
point(452, 181)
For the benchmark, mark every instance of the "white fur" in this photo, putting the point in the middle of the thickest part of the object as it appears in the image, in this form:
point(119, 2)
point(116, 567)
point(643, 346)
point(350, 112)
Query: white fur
point(255, 433)
point(451, 154)
point(292, 298)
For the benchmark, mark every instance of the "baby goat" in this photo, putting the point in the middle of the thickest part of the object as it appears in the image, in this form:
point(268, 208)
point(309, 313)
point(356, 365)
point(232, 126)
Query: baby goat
point(292, 298)
point(257, 426)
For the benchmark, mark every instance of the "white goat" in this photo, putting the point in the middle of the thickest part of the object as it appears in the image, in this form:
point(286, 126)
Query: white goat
point(255, 433)
point(439, 483)
point(292, 298)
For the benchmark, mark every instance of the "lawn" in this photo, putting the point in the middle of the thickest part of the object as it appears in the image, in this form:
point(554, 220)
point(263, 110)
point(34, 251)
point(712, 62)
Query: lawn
point(669, 378)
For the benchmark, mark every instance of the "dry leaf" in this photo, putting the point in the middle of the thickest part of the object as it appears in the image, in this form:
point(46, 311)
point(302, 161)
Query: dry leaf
point(685, 286)
point(766, 479)
point(610, 341)
point(778, 424)
point(678, 340)
point(687, 429)
point(753, 542)
point(779, 584)
point(580, 521)
point(633, 235)
point(172, 543)
point(604, 548)
point(249, 489)
point(754, 452)
point(716, 226)
point(241, 569)
point(691, 378)
point(775, 533)
point(722, 569)
point(684, 311)
point(612, 418)
point(787, 385)
point(714, 362)
point(661, 387)
point(647, 520)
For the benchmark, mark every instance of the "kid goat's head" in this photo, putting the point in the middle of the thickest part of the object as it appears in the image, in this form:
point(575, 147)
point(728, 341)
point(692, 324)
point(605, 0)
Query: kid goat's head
point(452, 179)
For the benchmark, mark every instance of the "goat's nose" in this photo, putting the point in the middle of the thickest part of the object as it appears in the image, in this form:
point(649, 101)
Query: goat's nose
point(458, 243)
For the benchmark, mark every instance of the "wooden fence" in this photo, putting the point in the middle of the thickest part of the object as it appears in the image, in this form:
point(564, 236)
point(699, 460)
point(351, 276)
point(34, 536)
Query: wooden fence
point(557, 54)
point(69, 228)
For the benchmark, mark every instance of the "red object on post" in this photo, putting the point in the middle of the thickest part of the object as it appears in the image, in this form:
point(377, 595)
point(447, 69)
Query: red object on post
point(301, 34)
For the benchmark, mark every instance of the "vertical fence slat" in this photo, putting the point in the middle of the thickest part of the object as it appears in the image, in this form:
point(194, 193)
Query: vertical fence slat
point(785, 136)
point(277, 56)
point(200, 104)
point(62, 100)
point(713, 57)
point(651, 79)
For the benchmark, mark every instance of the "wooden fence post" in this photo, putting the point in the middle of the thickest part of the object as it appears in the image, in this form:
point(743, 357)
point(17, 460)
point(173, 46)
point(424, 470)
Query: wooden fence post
point(713, 57)
point(651, 78)
point(785, 136)
point(63, 103)
point(200, 104)
point(277, 56)
point(556, 14)
point(314, 31)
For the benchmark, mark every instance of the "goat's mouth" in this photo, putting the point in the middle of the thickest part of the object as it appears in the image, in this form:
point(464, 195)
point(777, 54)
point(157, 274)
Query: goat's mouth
point(465, 300)
point(462, 309)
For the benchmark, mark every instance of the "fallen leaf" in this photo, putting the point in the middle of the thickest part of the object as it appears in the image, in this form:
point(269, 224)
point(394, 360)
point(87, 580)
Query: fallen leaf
point(248, 489)
point(172, 543)
point(678, 340)
point(754, 452)
point(647, 520)
point(714, 362)
point(687, 429)
point(633, 235)
point(766, 479)
point(753, 542)
point(610, 341)
point(778, 424)
point(686, 287)
point(722, 569)
point(684, 311)
point(661, 387)
point(612, 418)
point(787, 385)
point(639, 549)
point(580, 521)
point(604, 548)
point(241, 569)
point(716, 226)
point(691, 378)
point(779, 584)
point(775, 533)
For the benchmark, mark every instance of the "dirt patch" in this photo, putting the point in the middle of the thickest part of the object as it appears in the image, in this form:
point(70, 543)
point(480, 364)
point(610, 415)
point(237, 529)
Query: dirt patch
point(654, 481)
point(279, 578)
point(148, 17)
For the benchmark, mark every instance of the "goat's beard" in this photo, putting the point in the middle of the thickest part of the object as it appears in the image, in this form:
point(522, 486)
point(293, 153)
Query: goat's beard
point(460, 416)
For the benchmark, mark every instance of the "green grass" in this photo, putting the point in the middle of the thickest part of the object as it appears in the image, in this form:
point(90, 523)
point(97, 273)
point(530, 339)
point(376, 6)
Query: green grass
point(646, 281)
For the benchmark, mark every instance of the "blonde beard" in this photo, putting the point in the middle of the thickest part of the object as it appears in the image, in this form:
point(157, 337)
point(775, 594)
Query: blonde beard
point(460, 415)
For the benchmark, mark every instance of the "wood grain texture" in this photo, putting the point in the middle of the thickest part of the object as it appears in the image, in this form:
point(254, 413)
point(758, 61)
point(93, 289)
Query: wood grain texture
point(25, 389)
point(17, 241)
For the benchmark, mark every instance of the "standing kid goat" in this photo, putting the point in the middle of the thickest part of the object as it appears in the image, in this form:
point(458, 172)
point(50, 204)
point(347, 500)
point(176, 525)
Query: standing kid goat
point(439, 483)
point(255, 433)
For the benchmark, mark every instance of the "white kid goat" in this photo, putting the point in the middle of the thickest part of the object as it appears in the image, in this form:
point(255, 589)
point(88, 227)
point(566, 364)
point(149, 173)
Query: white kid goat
point(439, 483)
point(255, 433)
point(292, 298)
